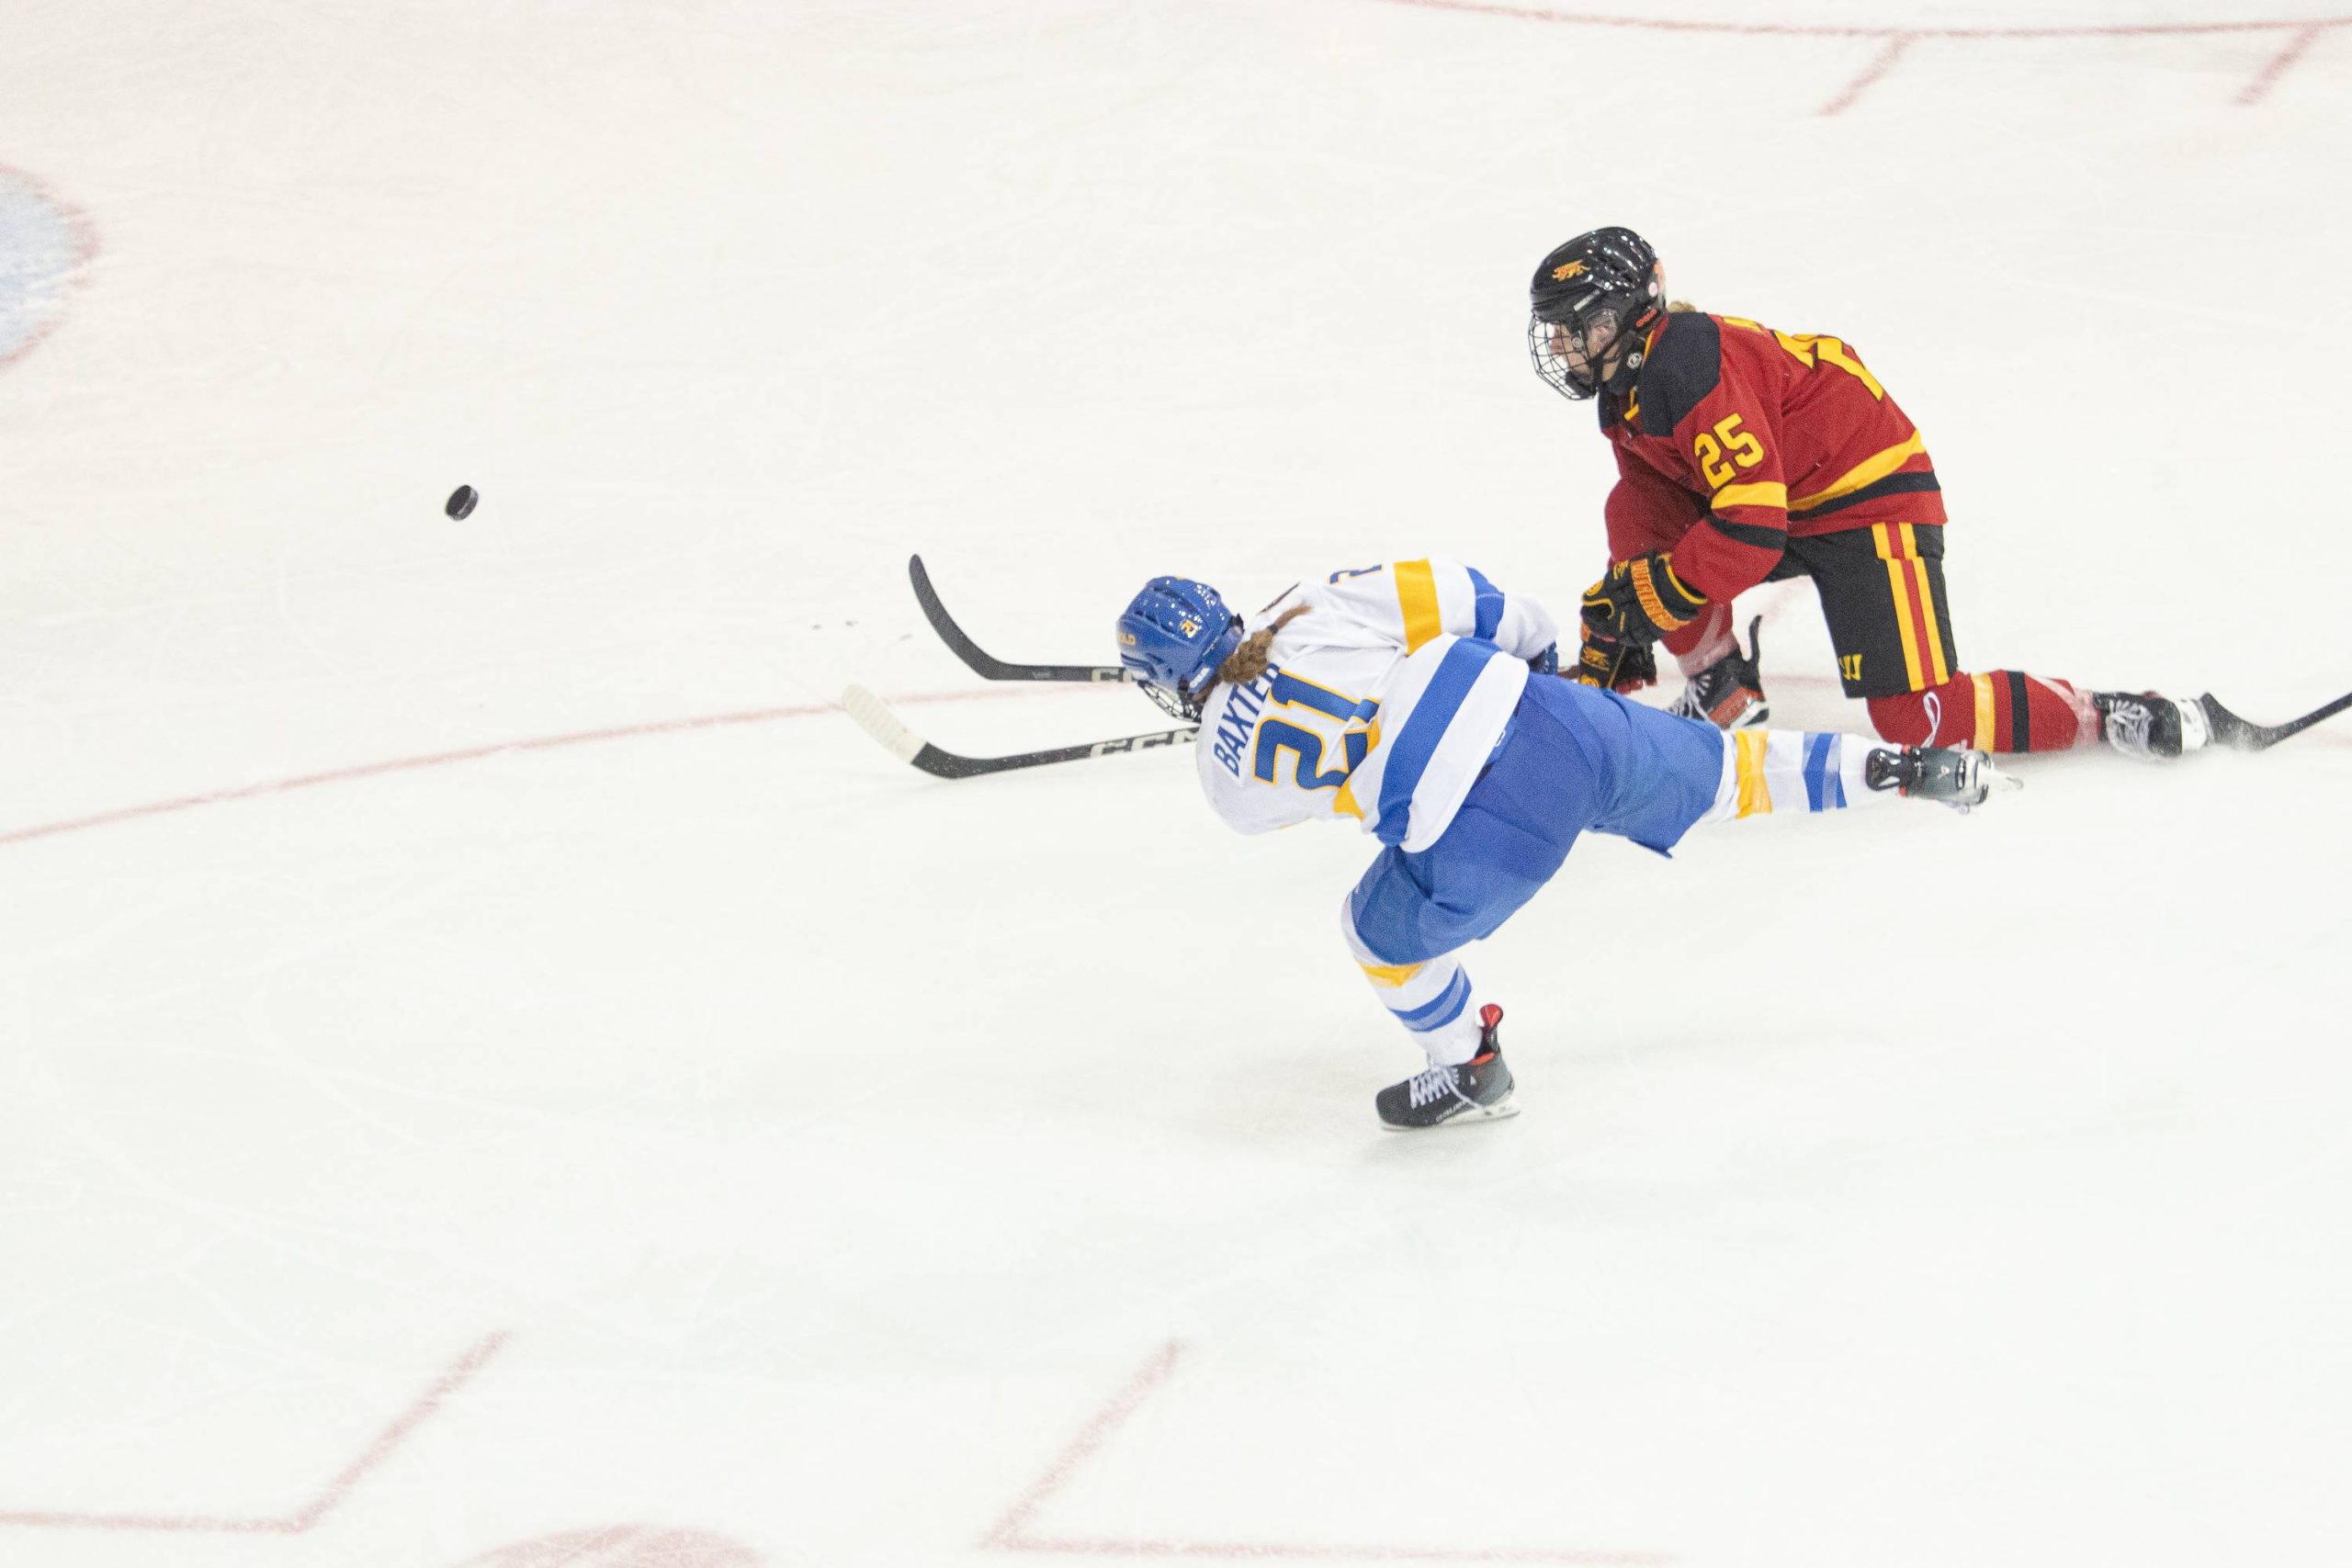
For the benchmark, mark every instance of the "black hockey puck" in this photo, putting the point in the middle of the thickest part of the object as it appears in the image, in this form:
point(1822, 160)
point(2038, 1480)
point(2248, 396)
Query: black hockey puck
point(461, 501)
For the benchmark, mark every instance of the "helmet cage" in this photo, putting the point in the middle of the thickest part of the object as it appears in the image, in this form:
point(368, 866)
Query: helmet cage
point(1173, 704)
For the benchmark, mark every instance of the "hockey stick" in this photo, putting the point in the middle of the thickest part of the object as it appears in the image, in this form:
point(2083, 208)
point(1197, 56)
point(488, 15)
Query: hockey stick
point(2242, 735)
point(991, 667)
point(907, 746)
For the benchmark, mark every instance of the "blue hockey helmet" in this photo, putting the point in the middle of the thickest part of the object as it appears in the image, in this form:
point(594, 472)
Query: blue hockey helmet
point(1173, 636)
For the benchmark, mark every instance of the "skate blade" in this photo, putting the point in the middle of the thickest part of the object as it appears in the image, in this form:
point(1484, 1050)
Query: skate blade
point(1500, 1111)
point(1990, 782)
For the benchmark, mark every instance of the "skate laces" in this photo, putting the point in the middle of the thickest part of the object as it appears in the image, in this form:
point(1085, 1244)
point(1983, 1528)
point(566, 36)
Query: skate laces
point(1434, 1084)
point(1701, 692)
point(2149, 726)
point(2128, 725)
point(1708, 690)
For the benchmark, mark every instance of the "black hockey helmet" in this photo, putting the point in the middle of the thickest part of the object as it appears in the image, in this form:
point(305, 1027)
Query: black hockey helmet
point(1598, 289)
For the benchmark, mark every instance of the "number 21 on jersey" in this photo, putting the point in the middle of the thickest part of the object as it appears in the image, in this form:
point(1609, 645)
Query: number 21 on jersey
point(1276, 735)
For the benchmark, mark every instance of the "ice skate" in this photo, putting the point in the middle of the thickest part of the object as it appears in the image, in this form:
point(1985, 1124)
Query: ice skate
point(1479, 1089)
point(1728, 693)
point(2150, 728)
point(1957, 778)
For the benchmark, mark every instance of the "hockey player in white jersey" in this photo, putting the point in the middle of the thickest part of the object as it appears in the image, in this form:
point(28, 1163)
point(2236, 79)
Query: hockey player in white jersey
point(1423, 702)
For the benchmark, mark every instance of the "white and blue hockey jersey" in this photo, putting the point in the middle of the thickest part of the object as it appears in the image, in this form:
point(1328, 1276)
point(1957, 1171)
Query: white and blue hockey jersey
point(1381, 702)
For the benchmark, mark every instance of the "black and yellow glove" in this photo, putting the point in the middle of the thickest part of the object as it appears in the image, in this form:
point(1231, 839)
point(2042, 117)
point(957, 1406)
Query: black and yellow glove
point(1615, 666)
point(1640, 601)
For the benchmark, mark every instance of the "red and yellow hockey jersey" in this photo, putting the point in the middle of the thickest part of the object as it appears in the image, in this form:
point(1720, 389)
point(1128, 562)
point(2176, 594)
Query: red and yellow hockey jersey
point(1735, 436)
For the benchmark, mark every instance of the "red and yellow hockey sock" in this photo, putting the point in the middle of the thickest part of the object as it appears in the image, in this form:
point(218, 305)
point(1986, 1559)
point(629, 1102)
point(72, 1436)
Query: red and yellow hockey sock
point(1706, 640)
point(2001, 710)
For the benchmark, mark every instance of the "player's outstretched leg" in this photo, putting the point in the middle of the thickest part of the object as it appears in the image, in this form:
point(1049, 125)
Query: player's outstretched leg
point(2012, 711)
point(1769, 771)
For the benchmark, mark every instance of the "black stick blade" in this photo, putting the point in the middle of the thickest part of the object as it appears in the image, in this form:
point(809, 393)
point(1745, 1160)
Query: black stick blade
point(2242, 735)
point(875, 717)
point(989, 666)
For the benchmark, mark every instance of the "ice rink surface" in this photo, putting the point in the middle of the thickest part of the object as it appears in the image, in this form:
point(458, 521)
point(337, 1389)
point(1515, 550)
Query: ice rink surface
point(496, 1070)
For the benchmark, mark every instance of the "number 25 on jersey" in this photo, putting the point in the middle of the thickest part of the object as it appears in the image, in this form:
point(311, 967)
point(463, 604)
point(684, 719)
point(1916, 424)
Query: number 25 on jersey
point(1741, 445)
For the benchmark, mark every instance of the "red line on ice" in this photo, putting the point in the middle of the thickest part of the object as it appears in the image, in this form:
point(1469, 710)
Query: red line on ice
point(466, 754)
point(1090, 1439)
point(2281, 62)
point(1807, 29)
point(1011, 1532)
point(1082, 1547)
point(1869, 78)
point(325, 1502)
point(2305, 32)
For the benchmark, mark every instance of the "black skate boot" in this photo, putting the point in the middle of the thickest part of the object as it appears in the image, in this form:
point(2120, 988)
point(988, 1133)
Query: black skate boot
point(1728, 693)
point(1479, 1089)
point(1957, 778)
point(2150, 728)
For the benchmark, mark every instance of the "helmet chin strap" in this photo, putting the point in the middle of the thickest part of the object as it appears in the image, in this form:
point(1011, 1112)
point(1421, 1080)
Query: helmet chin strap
point(1629, 369)
point(1621, 381)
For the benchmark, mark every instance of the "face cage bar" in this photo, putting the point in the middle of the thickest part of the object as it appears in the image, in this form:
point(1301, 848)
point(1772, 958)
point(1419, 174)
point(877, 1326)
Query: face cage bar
point(1169, 703)
point(1553, 367)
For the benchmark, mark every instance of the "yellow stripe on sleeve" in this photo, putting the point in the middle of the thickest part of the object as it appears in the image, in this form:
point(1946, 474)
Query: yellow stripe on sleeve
point(1885, 538)
point(1416, 597)
point(1755, 795)
point(1344, 803)
point(1751, 495)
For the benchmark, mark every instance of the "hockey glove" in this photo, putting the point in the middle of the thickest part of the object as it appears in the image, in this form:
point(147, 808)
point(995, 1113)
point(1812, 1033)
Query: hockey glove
point(1640, 601)
point(1615, 666)
point(1547, 662)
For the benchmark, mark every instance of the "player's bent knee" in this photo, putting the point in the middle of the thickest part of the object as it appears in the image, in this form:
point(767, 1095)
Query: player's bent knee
point(1370, 924)
point(1907, 720)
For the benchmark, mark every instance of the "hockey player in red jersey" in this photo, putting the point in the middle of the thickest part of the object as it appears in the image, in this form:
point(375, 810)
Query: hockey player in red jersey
point(1749, 456)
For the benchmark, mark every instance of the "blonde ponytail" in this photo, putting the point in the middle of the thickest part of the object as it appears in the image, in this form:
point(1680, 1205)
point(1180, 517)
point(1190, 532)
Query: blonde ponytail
point(1248, 662)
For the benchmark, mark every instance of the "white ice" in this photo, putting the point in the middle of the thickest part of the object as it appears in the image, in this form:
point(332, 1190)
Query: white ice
point(798, 1160)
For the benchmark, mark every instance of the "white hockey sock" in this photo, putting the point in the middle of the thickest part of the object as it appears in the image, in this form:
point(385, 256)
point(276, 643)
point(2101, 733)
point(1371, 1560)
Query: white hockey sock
point(1434, 999)
point(1794, 770)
